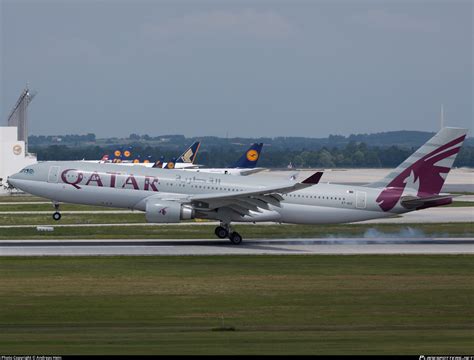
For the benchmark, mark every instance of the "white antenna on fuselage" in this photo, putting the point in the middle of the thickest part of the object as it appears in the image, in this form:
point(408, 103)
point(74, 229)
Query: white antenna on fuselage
point(441, 118)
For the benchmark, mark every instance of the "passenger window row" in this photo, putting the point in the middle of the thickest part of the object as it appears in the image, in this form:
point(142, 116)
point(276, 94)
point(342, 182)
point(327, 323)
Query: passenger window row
point(318, 197)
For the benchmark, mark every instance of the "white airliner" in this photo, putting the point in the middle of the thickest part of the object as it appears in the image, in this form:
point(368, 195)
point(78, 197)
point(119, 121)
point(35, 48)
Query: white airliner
point(169, 196)
point(246, 164)
point(184, 161)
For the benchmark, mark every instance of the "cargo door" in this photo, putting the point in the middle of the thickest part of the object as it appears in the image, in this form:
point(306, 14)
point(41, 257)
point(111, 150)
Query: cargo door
point(53, 175)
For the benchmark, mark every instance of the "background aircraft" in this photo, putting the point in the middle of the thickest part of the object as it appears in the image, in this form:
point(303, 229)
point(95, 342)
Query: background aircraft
point(184, 161)
point(126, 157)
point(246, 164)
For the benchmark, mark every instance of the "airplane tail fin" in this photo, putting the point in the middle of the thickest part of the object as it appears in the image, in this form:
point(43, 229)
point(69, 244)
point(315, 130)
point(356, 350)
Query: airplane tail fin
point(171, 164)
point(159, 163)
point(425, 171)
point(249, 159)
point(189, 155)
point(127, 153)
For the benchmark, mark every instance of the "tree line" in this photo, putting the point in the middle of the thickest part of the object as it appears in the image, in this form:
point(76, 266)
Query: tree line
point(351, 155)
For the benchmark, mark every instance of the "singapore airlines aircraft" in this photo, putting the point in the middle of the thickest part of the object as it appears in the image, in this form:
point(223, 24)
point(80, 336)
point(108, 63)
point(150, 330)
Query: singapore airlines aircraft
point(185, 160)
point(169, 196)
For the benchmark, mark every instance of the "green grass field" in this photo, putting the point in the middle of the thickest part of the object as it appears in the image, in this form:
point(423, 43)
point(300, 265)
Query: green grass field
point(461, 204)
point(183, 231)
point(275, 304)
point(85, 218)
point(21, 198)
point(49, 207)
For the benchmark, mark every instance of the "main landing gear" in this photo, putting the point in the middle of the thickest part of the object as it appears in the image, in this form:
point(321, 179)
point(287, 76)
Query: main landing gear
point(224, 231)
point(57, 214)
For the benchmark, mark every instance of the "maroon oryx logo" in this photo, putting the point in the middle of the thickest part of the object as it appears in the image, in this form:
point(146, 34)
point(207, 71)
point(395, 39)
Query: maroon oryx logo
point(426, 173)
point(163, 211)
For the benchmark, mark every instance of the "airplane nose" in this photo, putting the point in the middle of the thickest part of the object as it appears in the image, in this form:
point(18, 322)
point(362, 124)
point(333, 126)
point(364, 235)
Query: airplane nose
point(12, 180)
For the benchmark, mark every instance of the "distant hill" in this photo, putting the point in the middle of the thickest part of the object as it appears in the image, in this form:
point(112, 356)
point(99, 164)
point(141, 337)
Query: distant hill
point(403, 139)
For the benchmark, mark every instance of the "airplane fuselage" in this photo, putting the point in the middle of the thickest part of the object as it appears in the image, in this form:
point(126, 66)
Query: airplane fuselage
point(114, 185)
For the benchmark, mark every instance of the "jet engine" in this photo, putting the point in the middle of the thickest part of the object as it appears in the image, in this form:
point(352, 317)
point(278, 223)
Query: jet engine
point(159, 211)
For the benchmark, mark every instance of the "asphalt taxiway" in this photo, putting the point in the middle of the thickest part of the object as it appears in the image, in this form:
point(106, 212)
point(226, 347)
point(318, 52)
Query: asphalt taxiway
point(323, 246)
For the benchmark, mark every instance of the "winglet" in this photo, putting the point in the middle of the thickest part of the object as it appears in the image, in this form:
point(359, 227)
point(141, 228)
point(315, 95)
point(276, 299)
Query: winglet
point(313, 179)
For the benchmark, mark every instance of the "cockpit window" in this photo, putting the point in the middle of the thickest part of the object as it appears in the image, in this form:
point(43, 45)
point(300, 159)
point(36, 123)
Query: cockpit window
point(27, 171)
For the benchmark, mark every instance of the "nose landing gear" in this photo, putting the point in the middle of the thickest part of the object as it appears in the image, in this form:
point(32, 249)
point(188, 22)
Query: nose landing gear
point(57, 214)
point(225, 231)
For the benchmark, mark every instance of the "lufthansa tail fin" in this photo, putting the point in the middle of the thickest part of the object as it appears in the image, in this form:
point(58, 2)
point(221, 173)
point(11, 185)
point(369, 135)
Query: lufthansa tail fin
point(424, 172)
point(170, 164)
point(249, 159)
point(159, 163)
point(189, 155)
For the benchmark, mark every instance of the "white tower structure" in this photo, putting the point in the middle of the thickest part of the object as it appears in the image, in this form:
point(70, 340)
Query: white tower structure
point(14, 154)
point(19, 115)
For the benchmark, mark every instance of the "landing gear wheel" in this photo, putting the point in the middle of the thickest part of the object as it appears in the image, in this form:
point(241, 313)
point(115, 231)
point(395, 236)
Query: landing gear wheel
point(57, 216)
point(221, 232)
point(235, 238)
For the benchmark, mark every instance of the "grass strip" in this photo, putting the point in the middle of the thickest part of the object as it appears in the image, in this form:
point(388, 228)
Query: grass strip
point(247, 231)
point(387, 304)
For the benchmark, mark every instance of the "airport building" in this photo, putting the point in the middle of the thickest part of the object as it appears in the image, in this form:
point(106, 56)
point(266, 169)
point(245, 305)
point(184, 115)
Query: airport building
point(14, 154)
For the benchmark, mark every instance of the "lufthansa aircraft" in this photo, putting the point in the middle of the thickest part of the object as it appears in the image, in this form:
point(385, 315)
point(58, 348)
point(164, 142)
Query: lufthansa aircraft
point(169, 196)
point(246, 164)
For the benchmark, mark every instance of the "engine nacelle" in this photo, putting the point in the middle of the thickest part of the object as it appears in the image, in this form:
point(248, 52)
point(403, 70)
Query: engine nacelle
point(158, 211)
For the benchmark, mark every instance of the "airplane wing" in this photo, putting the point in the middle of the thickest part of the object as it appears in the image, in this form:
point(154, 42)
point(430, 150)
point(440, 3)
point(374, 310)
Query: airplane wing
point(187, 166)
point(242, 202)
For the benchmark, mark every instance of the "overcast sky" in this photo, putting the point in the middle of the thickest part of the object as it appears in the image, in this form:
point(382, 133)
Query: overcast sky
point(257, 68)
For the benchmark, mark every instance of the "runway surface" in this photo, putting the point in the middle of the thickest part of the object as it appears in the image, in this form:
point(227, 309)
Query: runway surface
point(332, 246)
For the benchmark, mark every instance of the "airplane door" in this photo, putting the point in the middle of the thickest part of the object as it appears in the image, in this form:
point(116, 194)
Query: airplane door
point(53, 175)
point(361, 199)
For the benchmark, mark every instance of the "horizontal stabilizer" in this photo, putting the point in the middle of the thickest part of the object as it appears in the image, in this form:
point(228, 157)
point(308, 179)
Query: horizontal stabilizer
point(245, 172)
point(413, 202)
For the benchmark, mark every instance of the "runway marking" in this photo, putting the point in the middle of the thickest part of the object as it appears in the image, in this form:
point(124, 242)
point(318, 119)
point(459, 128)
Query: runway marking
point(247, 242)
point(173, 247)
